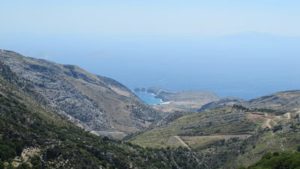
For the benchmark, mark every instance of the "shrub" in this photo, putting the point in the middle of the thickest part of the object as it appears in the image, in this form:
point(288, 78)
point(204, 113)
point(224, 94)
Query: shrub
point(24, 166)
point(1, 165)
point(6, 152)
point(53, 153)
point(286, 160)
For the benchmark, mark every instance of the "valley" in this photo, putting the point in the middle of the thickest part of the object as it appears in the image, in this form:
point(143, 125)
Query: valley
point(149, 84)
point(61, 116)
point(252, 131)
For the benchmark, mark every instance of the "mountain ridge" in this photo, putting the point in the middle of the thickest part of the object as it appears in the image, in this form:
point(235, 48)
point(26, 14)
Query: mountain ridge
point(96, 103)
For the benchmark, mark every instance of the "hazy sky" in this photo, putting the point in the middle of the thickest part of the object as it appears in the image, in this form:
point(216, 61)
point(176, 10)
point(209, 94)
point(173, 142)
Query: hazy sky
point(155, 17)
point(244, 48)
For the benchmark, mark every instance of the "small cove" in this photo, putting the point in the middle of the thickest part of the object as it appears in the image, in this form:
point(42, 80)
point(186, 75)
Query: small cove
point(149, 98)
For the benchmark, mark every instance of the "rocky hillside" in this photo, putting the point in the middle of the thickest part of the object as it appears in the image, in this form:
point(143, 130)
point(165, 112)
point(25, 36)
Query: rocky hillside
point(33, 137)
point(45, 107)
point(281, 102)
point(221, 103)
point(96, 103)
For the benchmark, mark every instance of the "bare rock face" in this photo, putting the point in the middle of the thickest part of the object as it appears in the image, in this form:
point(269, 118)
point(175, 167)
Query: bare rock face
point(96, 103)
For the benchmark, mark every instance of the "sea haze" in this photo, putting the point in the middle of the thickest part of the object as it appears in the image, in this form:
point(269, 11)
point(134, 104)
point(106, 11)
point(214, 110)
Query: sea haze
point(245, 65)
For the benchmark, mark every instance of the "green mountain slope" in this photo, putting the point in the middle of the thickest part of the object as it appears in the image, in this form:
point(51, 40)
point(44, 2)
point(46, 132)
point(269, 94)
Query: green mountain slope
point(231, 136)
point(287, 160)
point(225, 121)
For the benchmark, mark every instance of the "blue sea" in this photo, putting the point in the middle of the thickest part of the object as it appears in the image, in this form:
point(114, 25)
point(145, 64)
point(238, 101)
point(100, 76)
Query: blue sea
point(245, 66)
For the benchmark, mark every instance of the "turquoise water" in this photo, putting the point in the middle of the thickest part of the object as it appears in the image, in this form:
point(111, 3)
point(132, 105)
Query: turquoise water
point(148, 98)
